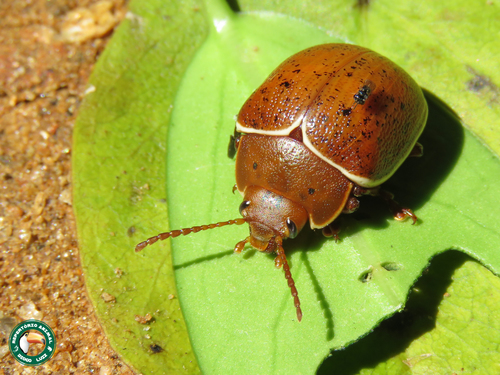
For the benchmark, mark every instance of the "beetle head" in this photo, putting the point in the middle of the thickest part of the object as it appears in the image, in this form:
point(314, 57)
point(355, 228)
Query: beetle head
point(271, 215)
point(271, 218)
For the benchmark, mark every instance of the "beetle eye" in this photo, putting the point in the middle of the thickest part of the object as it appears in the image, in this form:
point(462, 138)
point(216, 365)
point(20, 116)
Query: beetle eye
point(292, 228)
point(244, 205)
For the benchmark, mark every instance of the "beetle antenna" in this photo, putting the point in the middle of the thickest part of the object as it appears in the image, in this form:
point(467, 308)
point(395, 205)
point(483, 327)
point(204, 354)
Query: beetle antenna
point(281, 260)
point(186, 231)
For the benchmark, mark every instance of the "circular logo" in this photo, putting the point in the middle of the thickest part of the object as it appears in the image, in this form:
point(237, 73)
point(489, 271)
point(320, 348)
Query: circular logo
point(24, 342)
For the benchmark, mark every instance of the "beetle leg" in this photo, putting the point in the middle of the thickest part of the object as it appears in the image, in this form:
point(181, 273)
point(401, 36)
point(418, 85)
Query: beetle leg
point(351, 205)
point(359, 191)
point(234, 141)
point(332, 230)
point(399, 213)
point(417, 151)
point(240, 245)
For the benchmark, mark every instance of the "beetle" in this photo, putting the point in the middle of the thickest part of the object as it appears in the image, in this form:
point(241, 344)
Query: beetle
point(330, 124)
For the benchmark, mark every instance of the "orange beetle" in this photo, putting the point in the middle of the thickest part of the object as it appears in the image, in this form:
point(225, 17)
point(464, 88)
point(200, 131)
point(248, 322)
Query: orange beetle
point(330, 124)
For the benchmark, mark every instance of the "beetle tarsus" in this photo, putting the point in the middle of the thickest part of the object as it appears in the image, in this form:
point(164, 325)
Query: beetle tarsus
point(404, 213)
point(238, 248)
point(332, 230)
point(399, 213)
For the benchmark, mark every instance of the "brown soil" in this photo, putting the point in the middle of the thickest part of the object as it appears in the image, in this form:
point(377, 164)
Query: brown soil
point(47, 51)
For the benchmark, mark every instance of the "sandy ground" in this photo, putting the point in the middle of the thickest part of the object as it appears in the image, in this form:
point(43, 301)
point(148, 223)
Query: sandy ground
point(47, 52)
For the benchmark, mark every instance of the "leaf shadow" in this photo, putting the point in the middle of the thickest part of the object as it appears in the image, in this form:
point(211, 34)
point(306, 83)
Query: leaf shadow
point(443, 138)
point(206, 258)
point(413, 185)
point(395, 334)
point(323, 302)
point(418, 178)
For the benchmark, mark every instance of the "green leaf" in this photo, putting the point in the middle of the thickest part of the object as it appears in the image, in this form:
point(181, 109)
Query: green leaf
point(450, 325)
point(241, 304)
point(119, 182)
point(238, 307)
